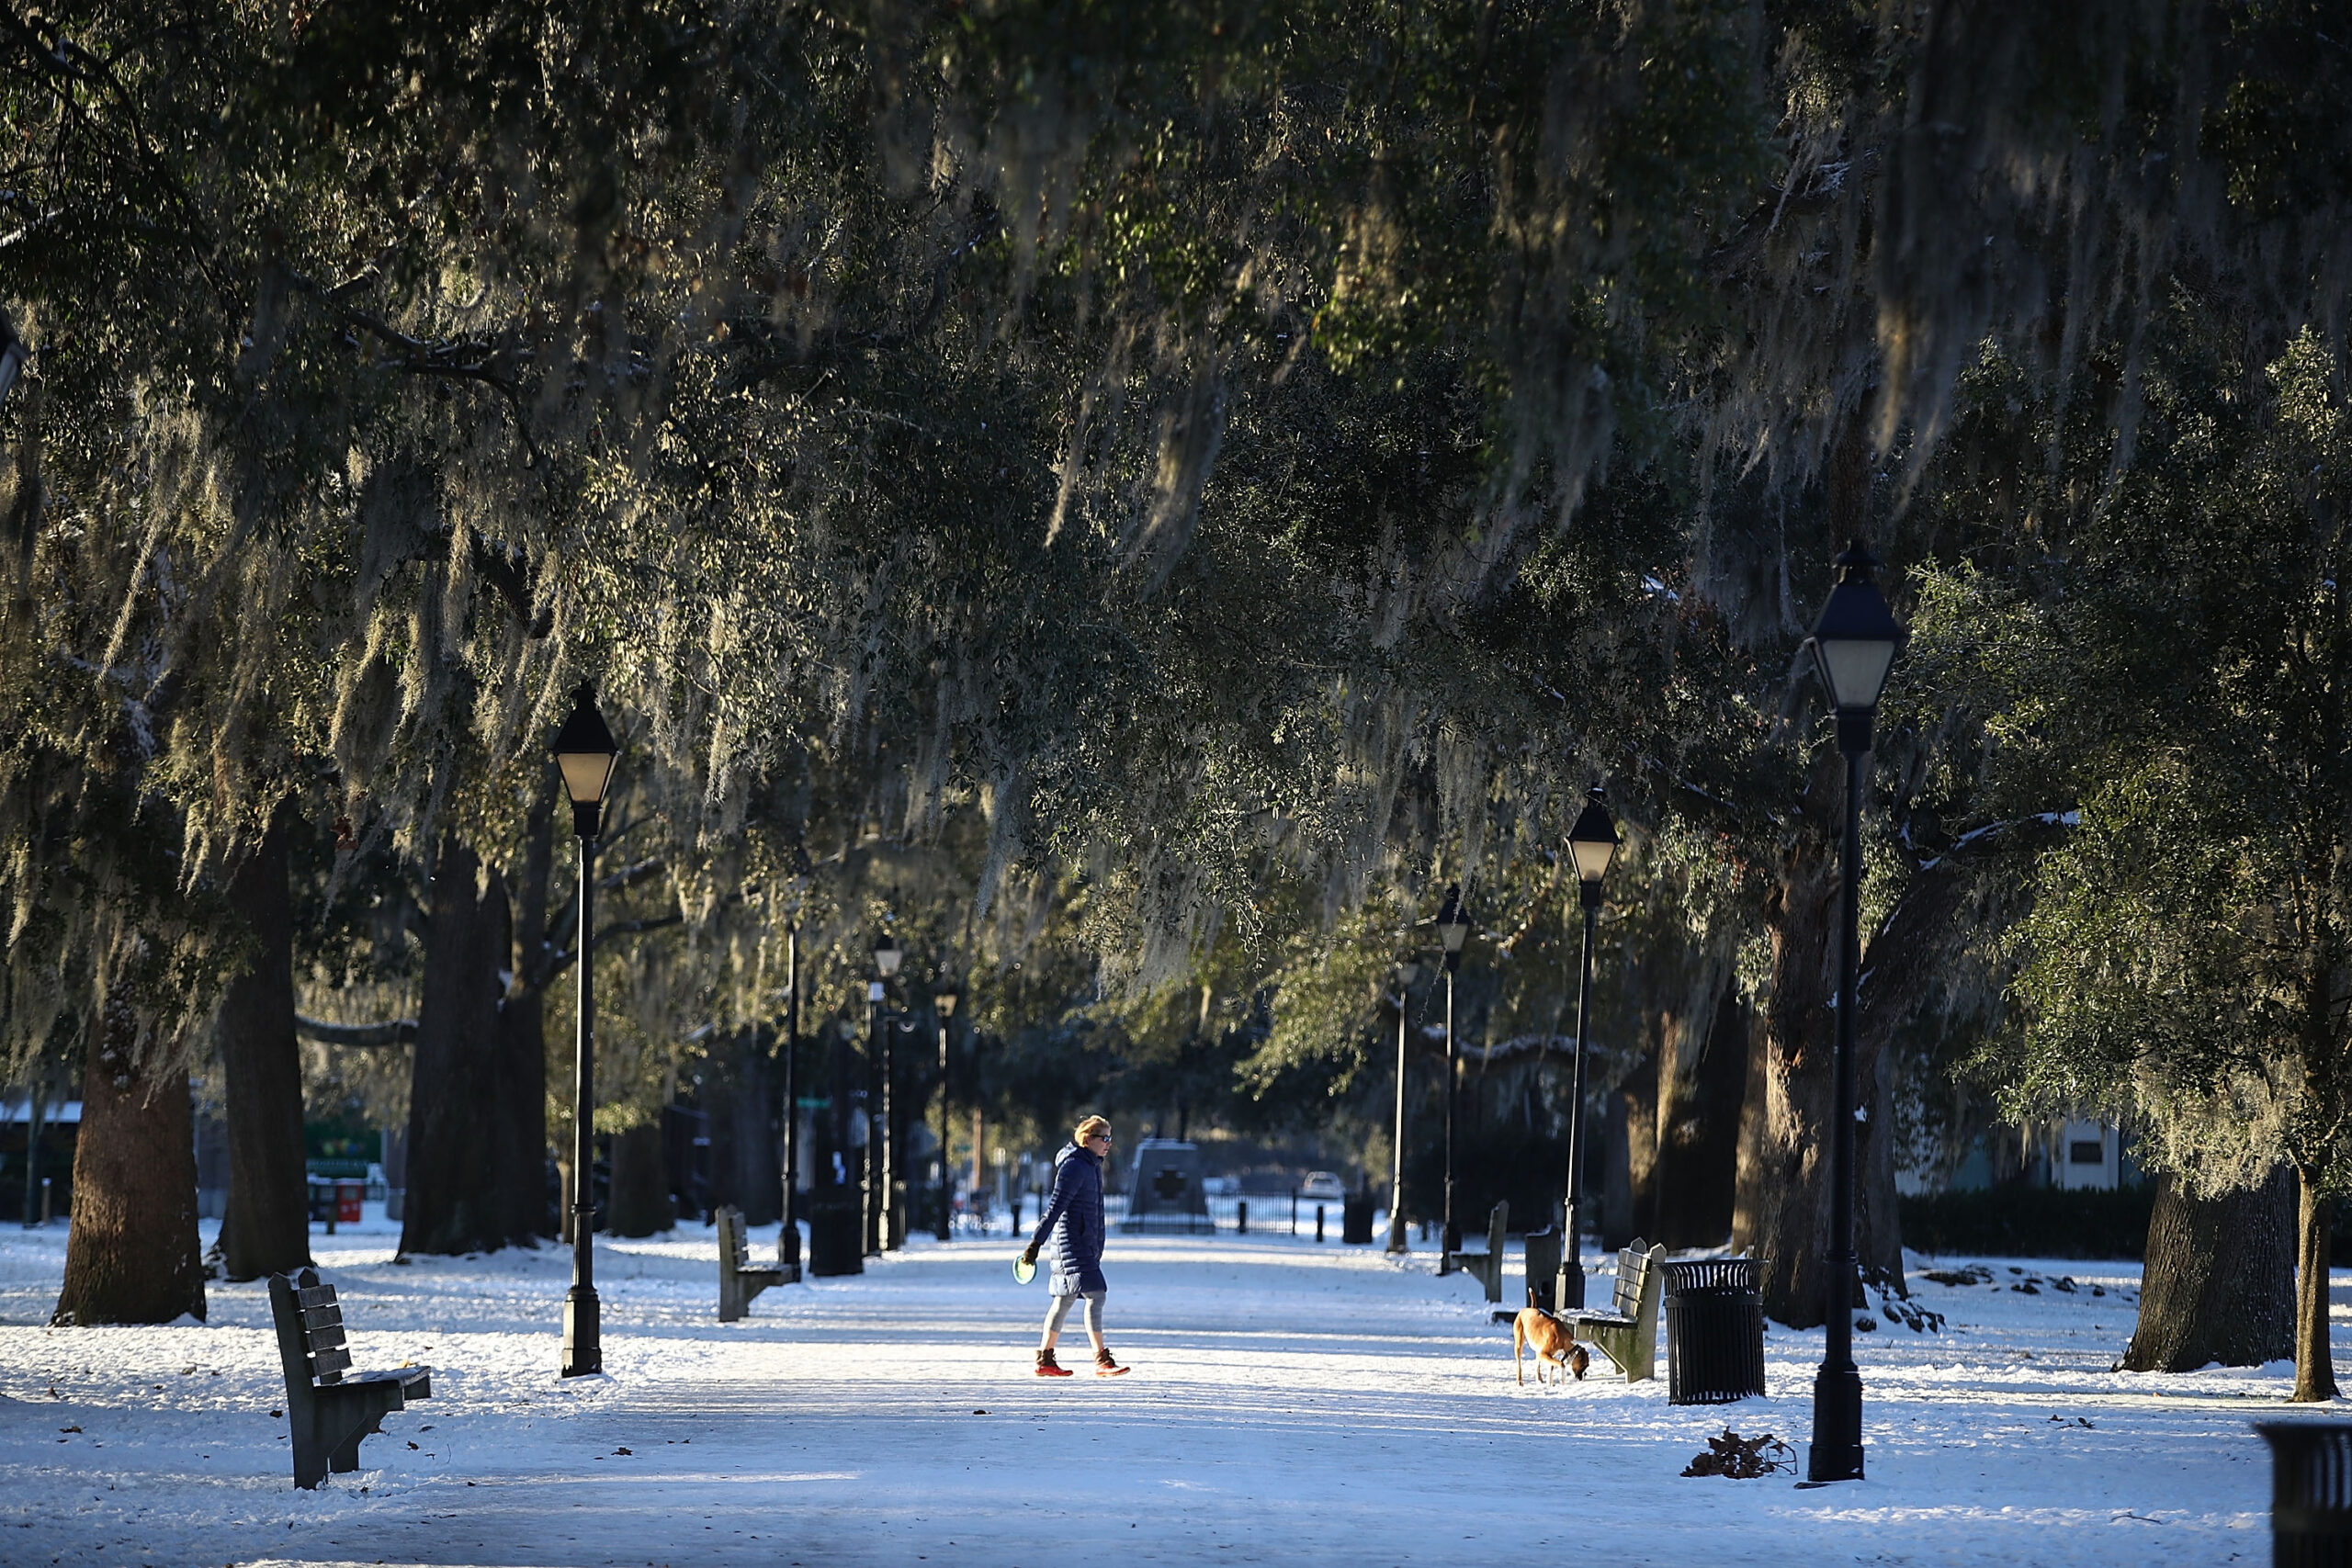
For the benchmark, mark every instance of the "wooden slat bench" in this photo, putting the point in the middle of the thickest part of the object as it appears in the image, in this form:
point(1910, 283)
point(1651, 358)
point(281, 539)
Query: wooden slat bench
point(737, 1280)
point(328, 1407)
point(1627, 1332)
point(1488, 1265)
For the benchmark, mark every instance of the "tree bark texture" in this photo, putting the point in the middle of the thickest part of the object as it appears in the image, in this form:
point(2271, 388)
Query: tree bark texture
point(1637, 1097)
point(266, 1229)
point(1699, 1121)
point(2219, 1282)
point(640, 1204)
point(2315, 1361)
point(455, 1197)
point(1791, 1239)
point(1748, 1189)
point(131, 1255)
point(522, 1106)
point(741, 1101)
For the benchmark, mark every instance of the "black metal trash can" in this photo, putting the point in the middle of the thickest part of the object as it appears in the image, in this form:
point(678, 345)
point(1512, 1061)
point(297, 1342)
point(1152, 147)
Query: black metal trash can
point(1714, 1331)
point(1355, 1220)
point(834, 1239)
point(2311, 1493)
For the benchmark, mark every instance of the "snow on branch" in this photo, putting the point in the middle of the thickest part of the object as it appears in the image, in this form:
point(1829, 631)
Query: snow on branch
point(1980, 838)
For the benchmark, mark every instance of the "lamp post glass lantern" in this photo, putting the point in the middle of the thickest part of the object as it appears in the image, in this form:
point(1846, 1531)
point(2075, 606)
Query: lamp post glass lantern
point(943, 1003)
point(584, 752)
point(1592, 845)
point(1452, 930)
point(1408, 971)
point(1854, 644)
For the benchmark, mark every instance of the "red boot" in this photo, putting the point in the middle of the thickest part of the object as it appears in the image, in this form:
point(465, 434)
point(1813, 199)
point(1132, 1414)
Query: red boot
point(1104, 1367)
point(1050, 1368)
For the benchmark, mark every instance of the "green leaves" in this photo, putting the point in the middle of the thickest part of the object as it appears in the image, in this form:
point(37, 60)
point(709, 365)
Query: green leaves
point(2179, 670)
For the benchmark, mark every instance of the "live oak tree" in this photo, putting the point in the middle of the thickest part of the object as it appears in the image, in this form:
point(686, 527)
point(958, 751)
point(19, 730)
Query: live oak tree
point(2183, 665)
point(2217, 1278)
point(1201, 442)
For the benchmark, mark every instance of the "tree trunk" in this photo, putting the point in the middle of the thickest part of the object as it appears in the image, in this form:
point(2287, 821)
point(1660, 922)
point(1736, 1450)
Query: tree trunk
point(641, 1189)
point(522, 1113)
point(522, 1103)
point(1791, 1238)
point(266, 1229)
point(2315, 1361)
point(1698, 1125)
point(131, 1255)
point(1877, 1217)
point(741, 1100)
point(1618, 1224)
point(455, 1202)
point(1748, 1187)
point(2219, 1282)
point(1640, 1093)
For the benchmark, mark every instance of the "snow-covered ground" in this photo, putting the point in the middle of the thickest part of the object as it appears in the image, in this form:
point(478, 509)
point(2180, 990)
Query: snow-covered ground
point(1290, 1403)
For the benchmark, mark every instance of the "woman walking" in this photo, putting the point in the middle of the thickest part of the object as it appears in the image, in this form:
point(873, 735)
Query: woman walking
point(1073, 1221)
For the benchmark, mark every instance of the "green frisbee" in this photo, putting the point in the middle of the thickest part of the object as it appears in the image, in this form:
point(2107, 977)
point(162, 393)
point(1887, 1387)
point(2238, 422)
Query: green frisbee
point(1023, 1270)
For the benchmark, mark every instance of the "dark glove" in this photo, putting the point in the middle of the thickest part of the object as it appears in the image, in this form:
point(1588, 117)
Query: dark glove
point(1029, 1255)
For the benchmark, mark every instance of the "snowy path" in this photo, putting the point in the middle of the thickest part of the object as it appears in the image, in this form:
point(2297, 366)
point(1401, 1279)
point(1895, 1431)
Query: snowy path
point(1290, 1403)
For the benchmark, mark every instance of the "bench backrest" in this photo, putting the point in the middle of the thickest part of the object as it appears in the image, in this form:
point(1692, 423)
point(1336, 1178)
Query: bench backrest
point(1498, 1226)
point(315, 1333)
point(733, 1245)
point(1632, 1273)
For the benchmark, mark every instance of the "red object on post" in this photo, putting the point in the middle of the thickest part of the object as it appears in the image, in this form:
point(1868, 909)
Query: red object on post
point(347, 1195)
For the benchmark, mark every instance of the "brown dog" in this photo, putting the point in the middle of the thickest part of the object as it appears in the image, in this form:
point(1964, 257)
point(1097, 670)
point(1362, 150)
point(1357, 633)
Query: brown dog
point(1555, 1346)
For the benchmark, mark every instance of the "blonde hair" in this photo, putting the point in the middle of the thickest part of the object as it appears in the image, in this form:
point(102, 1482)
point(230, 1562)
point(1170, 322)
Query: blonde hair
point(1092, 1127)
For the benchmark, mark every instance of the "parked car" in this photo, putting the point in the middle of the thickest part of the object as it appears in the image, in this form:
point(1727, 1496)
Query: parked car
point(1220, 1185)
point(1322, 1185)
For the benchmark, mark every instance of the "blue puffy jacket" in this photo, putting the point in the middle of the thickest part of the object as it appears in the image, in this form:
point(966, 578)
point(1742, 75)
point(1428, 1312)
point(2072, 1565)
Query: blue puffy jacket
point(1073, 1220)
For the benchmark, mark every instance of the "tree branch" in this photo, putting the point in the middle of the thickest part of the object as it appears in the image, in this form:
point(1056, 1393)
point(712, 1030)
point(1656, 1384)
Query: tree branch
point(367, 1036)
point(1911, 945)
point(561, 960)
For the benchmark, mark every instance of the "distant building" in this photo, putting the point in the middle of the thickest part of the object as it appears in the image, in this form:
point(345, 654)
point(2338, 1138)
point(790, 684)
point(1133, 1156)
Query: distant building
point(2072, 1154)
point(2084, 1156)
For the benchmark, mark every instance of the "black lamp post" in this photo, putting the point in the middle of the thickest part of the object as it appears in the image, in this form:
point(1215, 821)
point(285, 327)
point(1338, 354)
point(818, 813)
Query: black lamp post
point(880, 1175)
point(788, 1235)
point(1452, 930)
point(1592, 844)
point(1854, 644)
point(585, 750)
point(1408, 971)
point(944, 1001)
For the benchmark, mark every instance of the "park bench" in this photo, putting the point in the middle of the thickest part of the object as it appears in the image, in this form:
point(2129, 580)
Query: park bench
point(1540, 1255)
point(328, 1407)
point(1627, 1332)
point(1488, 1265)
point(737, 1280)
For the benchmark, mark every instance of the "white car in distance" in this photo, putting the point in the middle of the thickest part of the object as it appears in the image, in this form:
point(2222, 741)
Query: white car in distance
point(1322, 1186)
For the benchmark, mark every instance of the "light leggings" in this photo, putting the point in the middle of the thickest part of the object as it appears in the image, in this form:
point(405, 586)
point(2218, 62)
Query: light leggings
point(1060, 1310)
